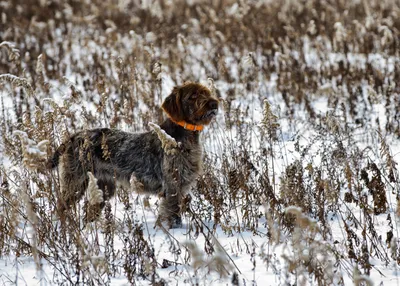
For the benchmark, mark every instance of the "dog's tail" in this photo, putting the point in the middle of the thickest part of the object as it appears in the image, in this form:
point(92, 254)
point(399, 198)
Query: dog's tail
point(55, 159)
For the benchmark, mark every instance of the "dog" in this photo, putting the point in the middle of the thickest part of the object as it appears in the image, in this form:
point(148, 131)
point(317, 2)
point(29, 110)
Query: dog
point(114, 156)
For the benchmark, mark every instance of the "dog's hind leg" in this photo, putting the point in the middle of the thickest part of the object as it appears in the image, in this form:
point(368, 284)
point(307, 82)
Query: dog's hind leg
point(73, 178)
point(73, 185)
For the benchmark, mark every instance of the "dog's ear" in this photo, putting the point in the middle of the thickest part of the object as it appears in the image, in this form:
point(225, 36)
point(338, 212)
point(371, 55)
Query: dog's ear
point(172, 105)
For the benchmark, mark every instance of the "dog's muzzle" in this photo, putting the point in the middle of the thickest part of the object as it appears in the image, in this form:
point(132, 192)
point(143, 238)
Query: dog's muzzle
point(211, 113)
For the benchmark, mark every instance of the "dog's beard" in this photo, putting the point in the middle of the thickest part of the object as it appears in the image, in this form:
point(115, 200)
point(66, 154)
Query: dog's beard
point(209, 115)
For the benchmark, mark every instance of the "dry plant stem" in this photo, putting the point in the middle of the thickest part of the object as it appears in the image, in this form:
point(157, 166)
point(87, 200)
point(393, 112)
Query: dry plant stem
point(199, 221)
point(22, 82)
point(167, 142)
point(13, 53)
point(337, 169)
point(48, 258)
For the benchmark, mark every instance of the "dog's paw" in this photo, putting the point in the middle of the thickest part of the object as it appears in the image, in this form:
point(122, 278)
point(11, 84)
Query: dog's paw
point(169, 222)
point(176, 222)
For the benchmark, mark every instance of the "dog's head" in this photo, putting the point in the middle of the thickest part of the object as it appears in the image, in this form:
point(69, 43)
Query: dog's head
point(192, 103)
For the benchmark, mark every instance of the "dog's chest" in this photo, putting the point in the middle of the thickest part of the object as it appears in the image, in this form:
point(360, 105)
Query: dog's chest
point(186, 163)
point(193, 159)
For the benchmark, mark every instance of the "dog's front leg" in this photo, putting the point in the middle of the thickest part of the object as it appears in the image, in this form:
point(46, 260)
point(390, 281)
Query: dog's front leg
point(170, 211)
point(170, 208)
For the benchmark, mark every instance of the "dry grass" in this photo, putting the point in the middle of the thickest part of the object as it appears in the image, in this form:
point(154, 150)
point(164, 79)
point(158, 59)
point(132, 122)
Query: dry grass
point(74, 65)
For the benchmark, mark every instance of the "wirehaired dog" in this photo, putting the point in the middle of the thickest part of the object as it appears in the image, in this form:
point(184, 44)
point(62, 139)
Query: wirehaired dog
point(114, 156)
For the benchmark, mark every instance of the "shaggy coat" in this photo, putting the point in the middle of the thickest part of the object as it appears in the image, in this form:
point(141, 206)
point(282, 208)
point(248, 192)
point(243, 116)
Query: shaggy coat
point(114, 156)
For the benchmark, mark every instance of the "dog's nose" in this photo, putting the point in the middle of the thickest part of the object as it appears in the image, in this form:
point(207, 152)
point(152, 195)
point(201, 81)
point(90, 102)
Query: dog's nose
point(213, 104)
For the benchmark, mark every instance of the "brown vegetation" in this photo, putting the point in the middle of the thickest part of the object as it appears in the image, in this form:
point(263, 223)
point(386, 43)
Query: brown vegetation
point(70, 65)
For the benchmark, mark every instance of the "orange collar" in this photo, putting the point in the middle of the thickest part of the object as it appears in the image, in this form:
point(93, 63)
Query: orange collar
point(186, 125)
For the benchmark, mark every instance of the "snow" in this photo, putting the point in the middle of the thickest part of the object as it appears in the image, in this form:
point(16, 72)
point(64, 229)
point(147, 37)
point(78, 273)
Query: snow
point(242, 252)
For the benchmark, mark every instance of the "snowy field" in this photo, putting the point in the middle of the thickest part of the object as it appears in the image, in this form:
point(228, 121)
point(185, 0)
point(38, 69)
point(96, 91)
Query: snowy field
point(300, 183)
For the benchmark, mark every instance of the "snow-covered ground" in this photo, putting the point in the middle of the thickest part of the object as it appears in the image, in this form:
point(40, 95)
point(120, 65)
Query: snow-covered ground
point(297, 186)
